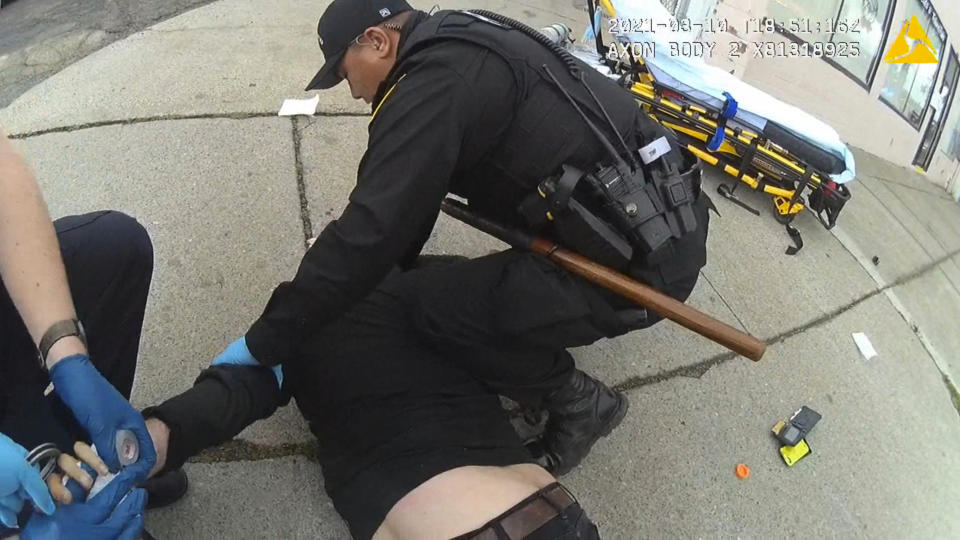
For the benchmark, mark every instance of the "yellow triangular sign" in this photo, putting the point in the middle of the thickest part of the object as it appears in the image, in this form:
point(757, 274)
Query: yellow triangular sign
point(916, 32)
point(899, 47)
point(900, 52)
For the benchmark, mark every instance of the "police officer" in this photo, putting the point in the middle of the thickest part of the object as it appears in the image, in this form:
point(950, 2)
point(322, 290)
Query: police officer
point(476, 105)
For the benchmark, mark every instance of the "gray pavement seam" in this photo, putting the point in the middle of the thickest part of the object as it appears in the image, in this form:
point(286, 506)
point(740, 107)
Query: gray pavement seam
point(240, 450)
point(886, 180)
point(928, 346)
point(141, 120)
point(167, 118)
point(301, 185)
point(698, 369)
point(311, 27)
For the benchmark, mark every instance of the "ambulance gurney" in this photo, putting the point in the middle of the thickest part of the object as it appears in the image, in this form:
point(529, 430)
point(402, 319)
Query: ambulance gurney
point(762, 142)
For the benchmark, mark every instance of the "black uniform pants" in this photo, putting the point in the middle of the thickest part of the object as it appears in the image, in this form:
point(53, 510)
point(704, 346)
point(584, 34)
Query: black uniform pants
point(109, 263)
point(508, 318)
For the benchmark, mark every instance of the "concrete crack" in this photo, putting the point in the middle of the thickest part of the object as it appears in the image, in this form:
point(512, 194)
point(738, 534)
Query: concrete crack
point(944, 196)
point(301, 185)
point(235, 27)
point(240, 450)
point(166, 118)
point(698, 369)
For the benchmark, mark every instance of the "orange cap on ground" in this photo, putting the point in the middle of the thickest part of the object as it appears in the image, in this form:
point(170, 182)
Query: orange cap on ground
point(742, 471)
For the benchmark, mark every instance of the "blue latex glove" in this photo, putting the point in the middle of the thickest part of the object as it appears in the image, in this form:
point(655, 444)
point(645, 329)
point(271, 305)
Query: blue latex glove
point(238, 354)
point(115, 512)
point(101, 410)
point(19, 482)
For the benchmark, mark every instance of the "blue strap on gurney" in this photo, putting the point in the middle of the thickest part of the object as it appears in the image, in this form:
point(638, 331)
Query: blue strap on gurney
point(728, 111)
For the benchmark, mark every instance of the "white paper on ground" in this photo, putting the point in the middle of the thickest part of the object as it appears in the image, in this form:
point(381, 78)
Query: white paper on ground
point(293, 107)
point(863, 343)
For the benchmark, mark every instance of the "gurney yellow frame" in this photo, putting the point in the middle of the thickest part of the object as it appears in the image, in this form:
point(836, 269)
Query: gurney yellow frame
point(771, 169)
point(750, 158)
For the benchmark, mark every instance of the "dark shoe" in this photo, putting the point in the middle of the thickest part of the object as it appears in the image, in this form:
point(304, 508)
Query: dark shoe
point(581, 412)
point(165, 489)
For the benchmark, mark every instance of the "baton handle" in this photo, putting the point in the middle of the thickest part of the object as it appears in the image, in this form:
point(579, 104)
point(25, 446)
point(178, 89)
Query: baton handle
point(644, 295)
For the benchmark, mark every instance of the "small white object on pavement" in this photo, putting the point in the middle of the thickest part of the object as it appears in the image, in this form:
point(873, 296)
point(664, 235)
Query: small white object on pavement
point(293, 107)
point(863, 343)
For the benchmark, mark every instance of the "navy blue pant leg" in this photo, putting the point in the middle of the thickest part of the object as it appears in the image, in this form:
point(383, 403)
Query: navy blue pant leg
point(108, 258)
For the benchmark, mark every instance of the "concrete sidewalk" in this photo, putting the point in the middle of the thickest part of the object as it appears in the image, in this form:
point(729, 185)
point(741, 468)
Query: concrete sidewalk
point(176, 125)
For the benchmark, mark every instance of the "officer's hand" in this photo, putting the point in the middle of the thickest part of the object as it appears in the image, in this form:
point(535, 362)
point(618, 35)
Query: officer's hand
point(238, 354)
point(19, 482)
point(102, 411)
point(115, 512)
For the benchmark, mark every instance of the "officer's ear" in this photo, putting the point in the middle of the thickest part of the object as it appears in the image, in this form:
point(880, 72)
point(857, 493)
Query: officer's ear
point(379, 40)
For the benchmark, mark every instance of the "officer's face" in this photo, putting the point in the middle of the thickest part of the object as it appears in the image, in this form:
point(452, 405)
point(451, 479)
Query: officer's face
point(367, 63)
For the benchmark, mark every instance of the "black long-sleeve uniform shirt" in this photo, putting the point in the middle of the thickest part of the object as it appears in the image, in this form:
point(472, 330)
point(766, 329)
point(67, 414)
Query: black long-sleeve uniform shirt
point(448, 110)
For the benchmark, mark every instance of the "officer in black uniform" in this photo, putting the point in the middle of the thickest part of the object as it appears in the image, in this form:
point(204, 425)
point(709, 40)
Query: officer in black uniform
point(477, 105)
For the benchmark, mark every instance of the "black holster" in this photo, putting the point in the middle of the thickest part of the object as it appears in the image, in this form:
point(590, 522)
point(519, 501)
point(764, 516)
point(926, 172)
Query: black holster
point(614, 216)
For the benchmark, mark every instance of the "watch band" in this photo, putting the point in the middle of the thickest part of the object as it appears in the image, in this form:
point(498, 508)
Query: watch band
point(56, 332)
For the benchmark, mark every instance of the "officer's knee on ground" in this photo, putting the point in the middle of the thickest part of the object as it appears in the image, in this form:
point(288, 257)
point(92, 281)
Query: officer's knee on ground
point(125, 238)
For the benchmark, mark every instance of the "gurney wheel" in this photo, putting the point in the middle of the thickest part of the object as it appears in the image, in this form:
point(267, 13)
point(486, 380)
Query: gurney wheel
point(782, 218)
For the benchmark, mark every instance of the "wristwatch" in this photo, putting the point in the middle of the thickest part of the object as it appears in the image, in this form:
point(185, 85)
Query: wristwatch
point(56, 332)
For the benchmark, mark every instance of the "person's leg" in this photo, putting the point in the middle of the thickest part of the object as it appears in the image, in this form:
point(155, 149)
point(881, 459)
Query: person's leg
point(507, 319)
point(109, 263)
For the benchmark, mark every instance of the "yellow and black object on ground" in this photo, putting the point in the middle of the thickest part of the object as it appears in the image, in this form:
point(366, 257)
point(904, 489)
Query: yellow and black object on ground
point(792, 454)
point(792, 434)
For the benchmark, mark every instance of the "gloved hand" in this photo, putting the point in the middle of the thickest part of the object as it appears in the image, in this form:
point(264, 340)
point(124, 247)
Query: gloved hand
point(19, 482)
point(115, 512)
point(238, 354)
point(101, 410)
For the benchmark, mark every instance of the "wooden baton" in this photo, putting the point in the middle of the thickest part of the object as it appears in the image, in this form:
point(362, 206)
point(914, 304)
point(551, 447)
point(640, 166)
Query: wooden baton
point(644, 295)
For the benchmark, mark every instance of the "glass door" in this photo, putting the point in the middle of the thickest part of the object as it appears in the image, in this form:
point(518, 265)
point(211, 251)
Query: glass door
point(939, 110)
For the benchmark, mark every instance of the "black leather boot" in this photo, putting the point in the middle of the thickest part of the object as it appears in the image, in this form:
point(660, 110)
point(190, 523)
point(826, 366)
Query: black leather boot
point(581, 412)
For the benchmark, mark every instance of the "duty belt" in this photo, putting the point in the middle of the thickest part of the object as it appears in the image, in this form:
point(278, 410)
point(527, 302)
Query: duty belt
point(628, 212)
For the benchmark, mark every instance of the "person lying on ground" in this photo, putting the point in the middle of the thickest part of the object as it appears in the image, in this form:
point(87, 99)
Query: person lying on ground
point(411, 445)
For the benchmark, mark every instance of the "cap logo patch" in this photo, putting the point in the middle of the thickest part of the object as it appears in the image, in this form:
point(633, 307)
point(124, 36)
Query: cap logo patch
point(384, 12)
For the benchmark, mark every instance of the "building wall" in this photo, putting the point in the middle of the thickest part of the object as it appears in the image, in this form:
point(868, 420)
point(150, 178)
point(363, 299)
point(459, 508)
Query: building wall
point(816, 86)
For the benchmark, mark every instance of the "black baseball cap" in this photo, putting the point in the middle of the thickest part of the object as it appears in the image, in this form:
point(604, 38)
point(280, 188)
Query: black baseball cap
point(341, 23)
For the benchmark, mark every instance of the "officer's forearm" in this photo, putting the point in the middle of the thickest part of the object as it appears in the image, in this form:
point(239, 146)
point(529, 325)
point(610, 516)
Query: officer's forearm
point(30, 263)
point(222, 402)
